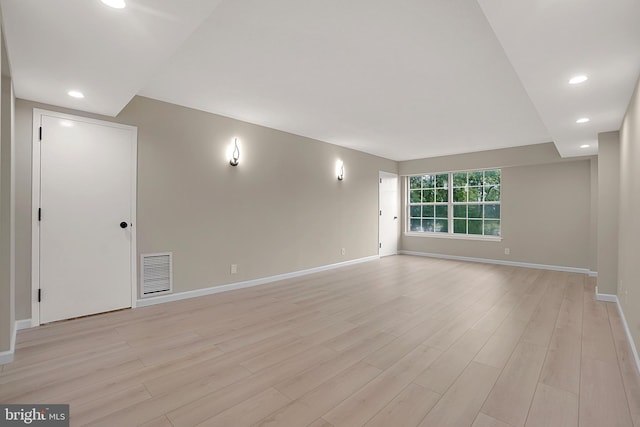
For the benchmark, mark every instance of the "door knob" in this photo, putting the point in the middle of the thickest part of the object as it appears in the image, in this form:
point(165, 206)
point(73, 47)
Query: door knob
point(395, 217)
point(123, 224)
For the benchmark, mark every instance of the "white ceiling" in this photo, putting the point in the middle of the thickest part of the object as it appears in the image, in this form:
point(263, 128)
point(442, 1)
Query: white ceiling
point(549, 41)
point(404, 80)
point(109, 54)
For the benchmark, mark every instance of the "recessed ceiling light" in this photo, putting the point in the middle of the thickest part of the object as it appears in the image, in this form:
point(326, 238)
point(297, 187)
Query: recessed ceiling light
point(75, 94)
point(575, 80)
point(582, 120)
point(116, 4)
point(585, 146)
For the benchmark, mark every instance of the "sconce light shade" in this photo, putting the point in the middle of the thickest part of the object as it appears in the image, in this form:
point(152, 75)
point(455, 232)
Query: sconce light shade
point(340, 170)
point(235, 154)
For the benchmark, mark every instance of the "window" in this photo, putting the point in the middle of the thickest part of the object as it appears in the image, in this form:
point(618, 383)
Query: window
point(455, 203)
point(429, 203)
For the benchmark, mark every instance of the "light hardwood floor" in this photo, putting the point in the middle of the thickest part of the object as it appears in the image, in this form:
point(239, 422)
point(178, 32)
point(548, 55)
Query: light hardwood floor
point(403, 341)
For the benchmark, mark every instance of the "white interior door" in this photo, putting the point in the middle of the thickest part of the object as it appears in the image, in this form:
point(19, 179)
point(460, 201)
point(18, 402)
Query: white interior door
point(87, 202)
point(388, 221)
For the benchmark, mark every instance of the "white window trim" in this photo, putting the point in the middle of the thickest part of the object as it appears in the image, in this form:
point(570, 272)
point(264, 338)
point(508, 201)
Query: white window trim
point(450, 203)
point(457, 236)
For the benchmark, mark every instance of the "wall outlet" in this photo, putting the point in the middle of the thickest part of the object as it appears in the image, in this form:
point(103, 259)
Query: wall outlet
point(343, 251)
point(234, 268)
point(507, 251)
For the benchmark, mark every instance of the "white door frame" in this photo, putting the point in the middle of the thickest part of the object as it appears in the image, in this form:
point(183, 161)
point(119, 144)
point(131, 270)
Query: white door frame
point(35, 204)
point(382, 174)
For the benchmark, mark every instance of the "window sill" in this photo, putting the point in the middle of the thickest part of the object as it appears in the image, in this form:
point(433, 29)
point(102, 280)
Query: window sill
point(454, 236)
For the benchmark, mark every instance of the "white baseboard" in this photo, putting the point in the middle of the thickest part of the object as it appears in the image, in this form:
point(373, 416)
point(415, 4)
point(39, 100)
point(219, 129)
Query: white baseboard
point(614, 298)
point(23, 324)
point(593, 273)
point(7, 356)
point(247, 284)
point(606, 297)
point(500, 262)
point(634, 349)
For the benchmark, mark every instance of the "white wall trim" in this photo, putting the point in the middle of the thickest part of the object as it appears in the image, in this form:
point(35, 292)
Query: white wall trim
point(438, 235)
point(248, 283)
point(593, 273)
point(628, 331)
point(384, 175)
point(38, 113)
point(606, 297)
point(500, 262)
point(23, 324)
point(7, 356)
point(614, 298)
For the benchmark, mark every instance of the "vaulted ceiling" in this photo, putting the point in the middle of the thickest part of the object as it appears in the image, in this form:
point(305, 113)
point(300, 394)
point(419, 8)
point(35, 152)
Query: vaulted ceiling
point(404, 80)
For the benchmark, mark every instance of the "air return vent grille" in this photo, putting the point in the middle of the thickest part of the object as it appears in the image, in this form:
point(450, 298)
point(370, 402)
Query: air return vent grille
point(157, 273)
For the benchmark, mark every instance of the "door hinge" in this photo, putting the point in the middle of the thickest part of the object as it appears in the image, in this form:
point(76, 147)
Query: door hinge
point(380, 178)
point(39, 295)
point(380, 213)
point(39, 214)
point(380, 245)
point(40, 136)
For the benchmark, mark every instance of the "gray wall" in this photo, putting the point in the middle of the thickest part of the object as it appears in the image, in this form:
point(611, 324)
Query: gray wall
point(546, 205)
point(593, 234)
point(23, 210)
point(516, 156)
point(629, 226)
point(281, 210)
point(7, 236)
point(608, 201)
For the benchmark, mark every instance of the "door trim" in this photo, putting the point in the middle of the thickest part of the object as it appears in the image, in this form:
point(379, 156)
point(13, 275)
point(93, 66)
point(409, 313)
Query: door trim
point(382, 174)
point(35, 204)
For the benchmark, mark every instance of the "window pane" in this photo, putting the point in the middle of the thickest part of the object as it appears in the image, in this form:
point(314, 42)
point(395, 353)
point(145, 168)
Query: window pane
point(459, 195)
point(442, 181)
point(442, 195)
point(427, 196)
point(442, 211)
point(415, 225)
point(460, 211)
point(415, 182)
point(492, 177)
point(475, 178)
point(427, 225)
point(415, 196)
point(460, 226)
point(475, 226)
point(428, 181)
point(492, 228)
point(492, 211)
point(475, 211)
point(492, 193)
point(442, 225)
point(427, 211)
point(475, 194)
point(414, 211)
point(460, 179)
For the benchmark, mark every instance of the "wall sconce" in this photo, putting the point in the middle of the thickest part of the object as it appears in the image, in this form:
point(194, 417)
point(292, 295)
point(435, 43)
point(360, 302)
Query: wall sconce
point(234, 158)
point(340, 170)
